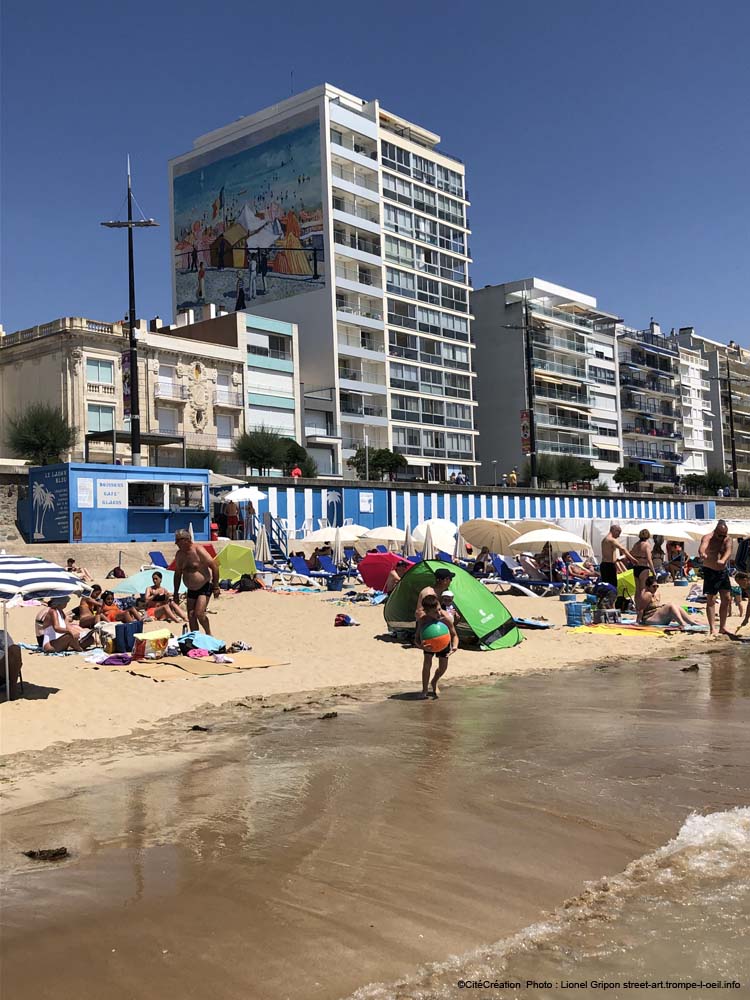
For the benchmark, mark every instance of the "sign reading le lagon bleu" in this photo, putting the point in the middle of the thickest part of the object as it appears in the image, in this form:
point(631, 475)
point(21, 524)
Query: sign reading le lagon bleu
point(111, 493)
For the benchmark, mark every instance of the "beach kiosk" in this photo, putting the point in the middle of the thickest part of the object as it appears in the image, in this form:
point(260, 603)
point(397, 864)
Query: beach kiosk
point(84, 502)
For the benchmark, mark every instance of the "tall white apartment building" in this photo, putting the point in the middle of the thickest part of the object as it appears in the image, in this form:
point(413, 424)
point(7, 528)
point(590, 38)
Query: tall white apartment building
point(330, 212)
point(697, 415)
point(549, 353)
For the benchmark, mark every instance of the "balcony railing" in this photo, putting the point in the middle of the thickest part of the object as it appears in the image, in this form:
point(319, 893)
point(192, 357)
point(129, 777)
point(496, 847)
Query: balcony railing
point(560, 314)
point(636, 358)
point(347, 142)
point(360, 177)
point(359, 275)
point(372, 375)
point(369, 214)
point(551, 391)
point(362, 411)
point(228, 397)
point(356, 242)
point(268, 352)
point(560, 343)
point(650, 431)
point(362, 341)
point(648, 385)
point(550, 420)
point(100, 389)
point(170, 390)
point(654, 455)
point(358, 309)
point(560, 448)
point(545, 365)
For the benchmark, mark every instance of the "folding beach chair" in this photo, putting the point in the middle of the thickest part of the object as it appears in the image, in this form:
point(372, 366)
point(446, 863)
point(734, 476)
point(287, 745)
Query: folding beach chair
point(301, 569)
point(509, 575)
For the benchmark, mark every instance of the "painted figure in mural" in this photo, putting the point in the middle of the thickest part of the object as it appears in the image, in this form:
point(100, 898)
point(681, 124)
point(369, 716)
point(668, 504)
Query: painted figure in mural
point(221, 251)
point(263, 272)
point(201, 286)
point(253, 277)
point(240, 303)
point(194, 259)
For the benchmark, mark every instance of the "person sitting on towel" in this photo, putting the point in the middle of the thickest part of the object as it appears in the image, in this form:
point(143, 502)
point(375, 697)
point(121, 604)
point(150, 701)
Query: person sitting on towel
point(651, 612)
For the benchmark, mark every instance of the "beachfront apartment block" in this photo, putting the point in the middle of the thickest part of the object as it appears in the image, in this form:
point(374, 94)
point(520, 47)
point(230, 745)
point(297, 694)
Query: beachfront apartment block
point(724, 363)
point(329, 212)
point(545, 354)
point(201, 384)
point(650, 402)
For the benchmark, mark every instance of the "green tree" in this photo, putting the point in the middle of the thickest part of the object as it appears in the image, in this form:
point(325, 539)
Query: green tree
point(203, 458)
point(41, 435)
point(714, 479)
point(361, 461)
point(309, 467)
point(694, 483)
point(568, 469)
point(602, 486)
point(262, 449)
point(628, 476)
point(545, 470)
point(386, 463)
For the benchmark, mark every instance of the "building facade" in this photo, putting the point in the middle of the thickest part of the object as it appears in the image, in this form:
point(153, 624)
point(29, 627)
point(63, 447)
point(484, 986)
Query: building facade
point(330, 212)
point(547, 353)
point(201, 384)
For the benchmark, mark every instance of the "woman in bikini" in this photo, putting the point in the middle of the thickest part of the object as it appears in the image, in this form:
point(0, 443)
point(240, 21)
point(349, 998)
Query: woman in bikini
point(60, 634)
point(90, 608)
point(650, 612)
point(641, 553)
point(159, 603)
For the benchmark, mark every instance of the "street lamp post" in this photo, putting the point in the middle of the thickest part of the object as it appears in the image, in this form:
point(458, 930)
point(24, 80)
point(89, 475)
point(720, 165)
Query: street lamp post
point(494, 472)
point(135, 409)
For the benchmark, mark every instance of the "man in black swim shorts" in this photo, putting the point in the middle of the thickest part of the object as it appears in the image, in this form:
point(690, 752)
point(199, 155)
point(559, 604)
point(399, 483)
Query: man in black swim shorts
point(201, 575)
point(715, 550)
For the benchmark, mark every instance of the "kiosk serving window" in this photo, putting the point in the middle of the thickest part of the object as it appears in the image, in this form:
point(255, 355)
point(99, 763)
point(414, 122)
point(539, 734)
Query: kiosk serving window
point(186, 495)
point(166, 496)
point(145, 494)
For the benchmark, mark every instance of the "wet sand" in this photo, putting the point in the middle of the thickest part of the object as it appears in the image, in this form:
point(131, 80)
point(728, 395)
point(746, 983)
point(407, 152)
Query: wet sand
point(294, 856)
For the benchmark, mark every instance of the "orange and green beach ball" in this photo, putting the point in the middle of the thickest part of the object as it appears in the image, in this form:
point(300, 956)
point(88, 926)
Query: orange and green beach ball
point(436, 637)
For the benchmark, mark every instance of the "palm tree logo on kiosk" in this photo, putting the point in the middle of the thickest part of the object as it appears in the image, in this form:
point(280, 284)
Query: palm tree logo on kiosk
point(42, 501)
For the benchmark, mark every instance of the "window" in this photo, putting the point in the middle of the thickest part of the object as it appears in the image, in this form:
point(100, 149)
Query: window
point(450, 210)
point(428, 320)
point(100, 418)
point(425, 230)
point(457, 386)
point(397, 220)
point(397, 188)
point(455, 327)
point(433, 441)
point(455, 356)
point(602, 402)
point(167, 418)
point(425, 200)
point(402, 314)
point(450, 181)
point(144, 494)
point(186, 495)
point(403, 345)
point(602, 375)
point(405, 408)
point(454, 298)
point(404, 376)
point(428, 290)
point(407, 439)
point(452, 268)
point(458, 415)
point(452, 239)
point(224, 430)
point(223, 380)
point(395, 157)
point(423, 170)
point(433, 411)
point(430, 351)
point(100, 371)
point(337, 137)
point(399, 251)
point(431, 381)
point(399, 282)
point(426, 260)
point(460, 444)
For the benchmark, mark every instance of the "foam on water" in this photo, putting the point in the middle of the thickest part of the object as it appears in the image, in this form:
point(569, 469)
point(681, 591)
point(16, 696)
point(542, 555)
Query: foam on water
point(681, 911)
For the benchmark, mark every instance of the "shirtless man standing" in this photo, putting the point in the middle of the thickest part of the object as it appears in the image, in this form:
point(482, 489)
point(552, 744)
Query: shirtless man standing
point(201, 575)
point(610, 549)
point(715, 550)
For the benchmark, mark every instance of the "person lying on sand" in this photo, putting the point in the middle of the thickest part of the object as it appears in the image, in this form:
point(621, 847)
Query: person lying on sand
point(651, 612)
point(80, 571)
point(432, 613)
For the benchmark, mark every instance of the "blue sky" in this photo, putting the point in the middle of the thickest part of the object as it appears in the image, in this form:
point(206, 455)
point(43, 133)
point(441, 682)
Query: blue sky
point(607, 144)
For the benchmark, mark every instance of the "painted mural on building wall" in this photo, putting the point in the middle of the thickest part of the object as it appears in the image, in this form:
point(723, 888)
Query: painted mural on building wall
point(249, 227)
point(50, 506)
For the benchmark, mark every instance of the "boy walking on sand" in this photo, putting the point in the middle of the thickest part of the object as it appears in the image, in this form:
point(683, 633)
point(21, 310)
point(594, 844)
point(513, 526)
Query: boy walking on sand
point(432, 613)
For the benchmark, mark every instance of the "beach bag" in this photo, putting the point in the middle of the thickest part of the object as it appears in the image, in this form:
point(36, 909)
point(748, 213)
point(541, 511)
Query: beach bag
point(199, 640)
point(125, 636)
point(151, 645)
point(118, 573)
point(248, 582)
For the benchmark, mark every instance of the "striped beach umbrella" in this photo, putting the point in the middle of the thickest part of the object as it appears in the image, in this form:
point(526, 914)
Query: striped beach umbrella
point(28, 576)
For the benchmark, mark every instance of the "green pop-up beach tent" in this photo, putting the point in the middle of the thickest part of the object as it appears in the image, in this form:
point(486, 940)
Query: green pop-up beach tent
point(483, 616)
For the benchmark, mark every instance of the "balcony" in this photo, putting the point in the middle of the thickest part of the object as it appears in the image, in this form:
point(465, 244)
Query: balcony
point(562, 316)
point(653, 455)
point(100, 389)
point(353, 241)
point(371, 375)
point(265, 357)
point(359, 275)
point(348, 143)
point(655, 341)
point(357, 343)
point(568, 423)
point(648, 385)
point(580, 450)
point(546, 365)
point(229, 398)
point(699, 444)
point(646, 430)
point(550, 390)
point(362, 308)
point(360, 177)
point(364, 211)
point(170, 390)
point(363, 411)
point(571, 344)
point(641, 360)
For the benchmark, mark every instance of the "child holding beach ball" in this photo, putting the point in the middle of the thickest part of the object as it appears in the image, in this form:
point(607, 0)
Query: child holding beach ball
point(436, 636)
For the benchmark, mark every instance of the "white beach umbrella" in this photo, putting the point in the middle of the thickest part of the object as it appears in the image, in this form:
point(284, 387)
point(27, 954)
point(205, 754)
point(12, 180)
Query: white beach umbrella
point(216, 481)
point(347, 532)
point(487, 532)
point(460, 551)
point(31, 577)
point(408, 547)
point(243, 494)
point(386, 533)
point(442, 532)
point(262, 547)
point(428, 546)
point(531, 524)
point(557, 539)
point(672, 532)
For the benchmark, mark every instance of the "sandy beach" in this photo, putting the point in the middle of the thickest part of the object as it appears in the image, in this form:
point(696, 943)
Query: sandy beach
point(68, 700)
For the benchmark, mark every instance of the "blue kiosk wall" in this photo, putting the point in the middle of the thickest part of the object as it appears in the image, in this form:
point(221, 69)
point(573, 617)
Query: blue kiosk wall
point(116, 503)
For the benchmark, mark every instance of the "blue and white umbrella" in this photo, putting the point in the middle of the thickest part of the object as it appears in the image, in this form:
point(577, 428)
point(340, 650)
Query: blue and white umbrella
point(28, 576)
